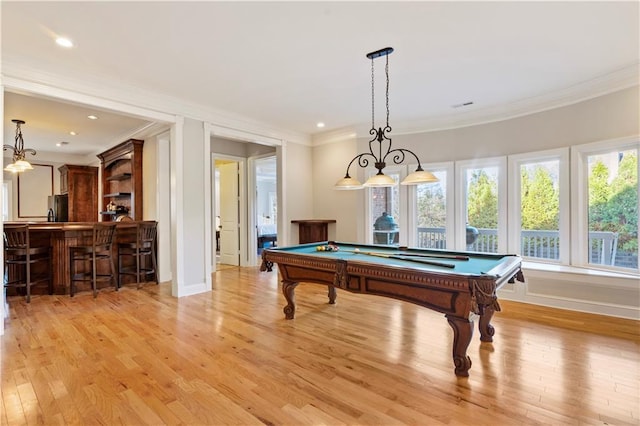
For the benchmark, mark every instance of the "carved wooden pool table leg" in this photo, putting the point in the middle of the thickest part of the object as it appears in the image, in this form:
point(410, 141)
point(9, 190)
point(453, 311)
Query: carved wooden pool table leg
point(332, 295)
point(462, 333)
point(486, 329)
point(288, 289)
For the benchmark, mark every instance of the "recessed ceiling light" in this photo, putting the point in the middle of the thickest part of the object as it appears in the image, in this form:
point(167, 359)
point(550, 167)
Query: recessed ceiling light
point(72, 133)
point(92, 117)
point(64, 42)
point(63, 143)
point(320, 125)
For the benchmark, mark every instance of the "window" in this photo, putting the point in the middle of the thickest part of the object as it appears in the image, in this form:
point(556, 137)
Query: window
point(482, 213)
point(613, 208)
point(385, 212)
point(432, 212)
point(606, 234)
point(539, 210)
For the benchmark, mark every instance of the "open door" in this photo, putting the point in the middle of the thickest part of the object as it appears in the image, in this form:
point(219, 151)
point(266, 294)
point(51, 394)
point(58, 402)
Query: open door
point(229, 214)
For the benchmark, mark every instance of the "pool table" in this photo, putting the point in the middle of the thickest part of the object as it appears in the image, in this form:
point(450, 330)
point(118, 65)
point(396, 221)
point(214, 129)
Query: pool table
point(458, 284)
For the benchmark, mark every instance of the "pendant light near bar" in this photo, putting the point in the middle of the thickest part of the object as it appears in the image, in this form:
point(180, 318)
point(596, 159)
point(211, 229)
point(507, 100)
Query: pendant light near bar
point(20, 164)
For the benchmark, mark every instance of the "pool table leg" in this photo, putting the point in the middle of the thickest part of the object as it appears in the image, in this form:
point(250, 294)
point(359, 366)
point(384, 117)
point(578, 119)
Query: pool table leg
point(332, 295)
point(288, 289)
point(462, 333)
point(486, 329)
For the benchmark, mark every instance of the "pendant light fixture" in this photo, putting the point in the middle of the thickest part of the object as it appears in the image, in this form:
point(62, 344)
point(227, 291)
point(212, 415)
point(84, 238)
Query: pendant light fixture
point(20, 164)
point(378, 154)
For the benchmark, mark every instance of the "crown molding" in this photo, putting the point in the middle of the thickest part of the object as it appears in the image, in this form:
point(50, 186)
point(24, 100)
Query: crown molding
point(131, 100)
point(333, 136)
point(158, 107)
point(613, 82)
point(619, 80)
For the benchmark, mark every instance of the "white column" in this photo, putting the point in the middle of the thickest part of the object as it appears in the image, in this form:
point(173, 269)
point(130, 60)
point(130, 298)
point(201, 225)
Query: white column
point(189, 225)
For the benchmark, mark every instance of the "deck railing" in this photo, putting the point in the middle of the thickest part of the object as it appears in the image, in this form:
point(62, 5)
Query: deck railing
point(536, 244)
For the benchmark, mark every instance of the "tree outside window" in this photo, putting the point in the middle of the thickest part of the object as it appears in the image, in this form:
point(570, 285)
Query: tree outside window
point(540, 210)
point(482, 207)
point(613, 208)
point(431, 212)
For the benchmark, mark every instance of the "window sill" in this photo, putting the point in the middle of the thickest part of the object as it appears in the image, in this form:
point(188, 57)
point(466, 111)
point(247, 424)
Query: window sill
point(587, 272)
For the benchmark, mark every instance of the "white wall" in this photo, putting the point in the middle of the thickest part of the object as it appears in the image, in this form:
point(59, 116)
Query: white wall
point(45, 158)
point(192, 187)
point(611, 116)
point(298, 191)
point(150, 179)
point(329, 164)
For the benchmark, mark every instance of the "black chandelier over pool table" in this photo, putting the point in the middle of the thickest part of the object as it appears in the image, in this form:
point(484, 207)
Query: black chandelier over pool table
point(384, 149)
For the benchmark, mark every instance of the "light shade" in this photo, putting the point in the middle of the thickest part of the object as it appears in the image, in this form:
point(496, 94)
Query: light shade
point(19, 166)
point(380, 181)
point(418, 177)
point(347, 183)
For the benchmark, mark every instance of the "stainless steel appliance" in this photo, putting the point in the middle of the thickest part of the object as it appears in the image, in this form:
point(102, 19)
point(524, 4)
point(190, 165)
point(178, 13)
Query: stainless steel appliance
point(58, 208)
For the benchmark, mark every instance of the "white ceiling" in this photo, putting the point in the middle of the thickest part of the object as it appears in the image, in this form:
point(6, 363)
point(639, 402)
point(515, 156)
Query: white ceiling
point(291, 64)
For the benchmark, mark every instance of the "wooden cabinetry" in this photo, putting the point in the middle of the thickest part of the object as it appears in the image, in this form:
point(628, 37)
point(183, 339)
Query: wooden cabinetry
point(80, 183)
point(122, 180)
point(313, 230)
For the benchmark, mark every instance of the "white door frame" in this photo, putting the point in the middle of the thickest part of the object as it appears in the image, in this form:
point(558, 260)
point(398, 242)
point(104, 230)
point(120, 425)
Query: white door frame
point(252, 223)
point(242, 193)
point(247, 198)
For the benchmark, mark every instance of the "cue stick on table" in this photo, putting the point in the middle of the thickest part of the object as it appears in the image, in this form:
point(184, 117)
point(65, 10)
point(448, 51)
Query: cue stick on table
point(438, 256)
point(408, 259)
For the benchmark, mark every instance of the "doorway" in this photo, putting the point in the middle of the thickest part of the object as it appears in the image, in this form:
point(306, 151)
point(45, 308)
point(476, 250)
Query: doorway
point(227, 212)
point(266, 202)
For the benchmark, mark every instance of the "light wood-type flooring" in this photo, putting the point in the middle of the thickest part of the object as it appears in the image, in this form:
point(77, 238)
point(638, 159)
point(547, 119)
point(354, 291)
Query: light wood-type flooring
point(229, 357)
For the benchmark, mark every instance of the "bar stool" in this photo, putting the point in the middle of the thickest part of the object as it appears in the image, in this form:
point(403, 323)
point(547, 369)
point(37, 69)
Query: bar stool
point(21, 259)
point(98, 243)
point(143, 253)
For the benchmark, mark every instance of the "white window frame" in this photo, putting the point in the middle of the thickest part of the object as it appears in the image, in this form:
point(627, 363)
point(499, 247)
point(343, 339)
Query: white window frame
point(461, 198)
point(450, 225)
point(580, 196)
point(515, 201)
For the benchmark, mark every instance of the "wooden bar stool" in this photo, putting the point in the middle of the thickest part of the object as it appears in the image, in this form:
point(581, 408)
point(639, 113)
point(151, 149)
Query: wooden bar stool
point(143, 253)
point(22, 260)
point(99, 243)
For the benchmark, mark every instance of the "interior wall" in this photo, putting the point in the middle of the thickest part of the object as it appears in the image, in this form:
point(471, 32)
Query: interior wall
point(150, 179)
point(12, 180)
point(299, 190)
point(607, 117)
point(329, 165)
point(611, 116)
point(192, 186)
point(263, 208)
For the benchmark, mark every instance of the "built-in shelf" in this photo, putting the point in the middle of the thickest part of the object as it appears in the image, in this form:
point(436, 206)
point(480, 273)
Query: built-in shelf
point(117, 194)
point(122, 180)
point(122, 176)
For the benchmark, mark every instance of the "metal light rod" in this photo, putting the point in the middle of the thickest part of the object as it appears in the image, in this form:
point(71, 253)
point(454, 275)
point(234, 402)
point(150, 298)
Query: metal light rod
point(379, 159)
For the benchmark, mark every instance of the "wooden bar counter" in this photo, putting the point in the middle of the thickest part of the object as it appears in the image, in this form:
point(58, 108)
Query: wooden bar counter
point(62, 235)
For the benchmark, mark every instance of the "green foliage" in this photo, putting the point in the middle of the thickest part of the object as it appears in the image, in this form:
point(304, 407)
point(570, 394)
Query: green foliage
point(431, 206)
point(482, 201)
point(614, 207)
point(540, 200)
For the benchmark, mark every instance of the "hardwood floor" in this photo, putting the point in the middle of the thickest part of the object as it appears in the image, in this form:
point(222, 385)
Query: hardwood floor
point(229, 357)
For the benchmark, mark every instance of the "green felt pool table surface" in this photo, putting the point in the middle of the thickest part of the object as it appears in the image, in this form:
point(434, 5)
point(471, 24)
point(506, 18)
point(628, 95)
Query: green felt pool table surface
point(473, 264)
